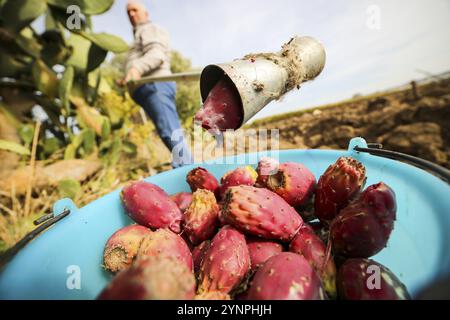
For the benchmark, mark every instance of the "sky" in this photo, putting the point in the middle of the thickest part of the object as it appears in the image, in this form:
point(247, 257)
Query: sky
point(370, 45)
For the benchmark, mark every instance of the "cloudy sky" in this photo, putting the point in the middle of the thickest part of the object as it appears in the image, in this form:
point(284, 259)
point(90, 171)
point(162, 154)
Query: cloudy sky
point(370, 45)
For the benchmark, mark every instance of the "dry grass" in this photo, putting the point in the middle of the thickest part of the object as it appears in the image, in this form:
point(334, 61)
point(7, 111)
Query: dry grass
point(16, 220)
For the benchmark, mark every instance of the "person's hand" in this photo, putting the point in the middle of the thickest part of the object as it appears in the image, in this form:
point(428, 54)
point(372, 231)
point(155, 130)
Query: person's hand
point(132, 74)
point(120, 82)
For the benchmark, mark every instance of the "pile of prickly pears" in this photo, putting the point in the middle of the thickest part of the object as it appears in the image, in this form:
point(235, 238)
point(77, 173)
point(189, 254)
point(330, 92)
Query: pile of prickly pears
point(273, 233)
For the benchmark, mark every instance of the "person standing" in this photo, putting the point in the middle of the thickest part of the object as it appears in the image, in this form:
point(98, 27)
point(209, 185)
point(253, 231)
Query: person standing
point(149, 55)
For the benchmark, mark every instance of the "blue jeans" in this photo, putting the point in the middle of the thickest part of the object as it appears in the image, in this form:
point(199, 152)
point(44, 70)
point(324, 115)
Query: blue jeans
point(158, 101)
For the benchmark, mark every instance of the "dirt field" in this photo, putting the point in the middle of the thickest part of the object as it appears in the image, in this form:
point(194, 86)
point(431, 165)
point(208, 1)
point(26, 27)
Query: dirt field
point(418, 125)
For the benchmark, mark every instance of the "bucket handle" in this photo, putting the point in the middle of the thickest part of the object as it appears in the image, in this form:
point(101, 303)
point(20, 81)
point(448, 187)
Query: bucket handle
point(61, 209)
point(376, 149)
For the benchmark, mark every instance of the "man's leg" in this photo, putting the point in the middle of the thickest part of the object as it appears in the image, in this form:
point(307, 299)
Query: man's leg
point(158, 100)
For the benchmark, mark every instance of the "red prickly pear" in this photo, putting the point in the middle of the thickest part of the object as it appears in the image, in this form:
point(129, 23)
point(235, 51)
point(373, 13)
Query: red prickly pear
point(212, 295)
point(164, 242)
point(340, 183)
point(222, 108)
point(226, 262)
point(260, 212)
point(123, 246)
point(311, 247)
point(266, 167)
point(150, 206)
point(286, 276)
point(365, 279)
point(363, 228)
point(182, 199)
point(149, 278)
point(200, 178)
point(293, 182)
point(261, 250)
point(199, 253)
point(201, 217)
point(239, 176)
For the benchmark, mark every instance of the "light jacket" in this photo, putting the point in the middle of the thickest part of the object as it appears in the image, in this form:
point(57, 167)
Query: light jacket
point(150, 52)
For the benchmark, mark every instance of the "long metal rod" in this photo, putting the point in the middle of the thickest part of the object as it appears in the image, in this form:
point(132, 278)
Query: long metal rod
point(183, 76)
point(10, 253)
point(442, 172)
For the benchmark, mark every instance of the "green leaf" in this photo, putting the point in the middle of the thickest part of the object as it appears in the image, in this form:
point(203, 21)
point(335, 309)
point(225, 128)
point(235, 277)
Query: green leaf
point(70, 152)
point(97, 81)
point(114, 154)
point(106, 41)
point(50, 145)
point(26, 133)
point(12, 65)
point(88, 140)
point(86, 56)
point(96, 56)
point(27, 41)
point(129, 148)
point(55, 50)
point(45, 78)
point(79, 57)
point(17, 14)
point(71, 149)
point(106, 127)
point(50, 21)
point(69, 188)
point(109, 178)
point(88, 7)
point(65, 86)
point(13, 147)
point(88, 22)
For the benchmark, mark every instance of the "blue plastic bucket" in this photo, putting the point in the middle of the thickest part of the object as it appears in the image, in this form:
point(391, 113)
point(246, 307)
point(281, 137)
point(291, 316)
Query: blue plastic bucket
point(417, 252)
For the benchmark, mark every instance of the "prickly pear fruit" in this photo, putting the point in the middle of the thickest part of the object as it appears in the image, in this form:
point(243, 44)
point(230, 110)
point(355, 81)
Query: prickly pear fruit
point(150, 206)
point(266, 167)
point(199, 253)
point(260, 212)
point(201, 217)
point(212, 295)
point(365, 279)
point(293, 182)
point(164, 242)
point(222, 108)
point(152, 278)
point(226, 262)
point(200, 178)
point(182, 199)
point(123, 246)
point(311, 247)
point(363, 228)
point(286, 276)
point(340, 183)
point(239, 176)
point(261, 250)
